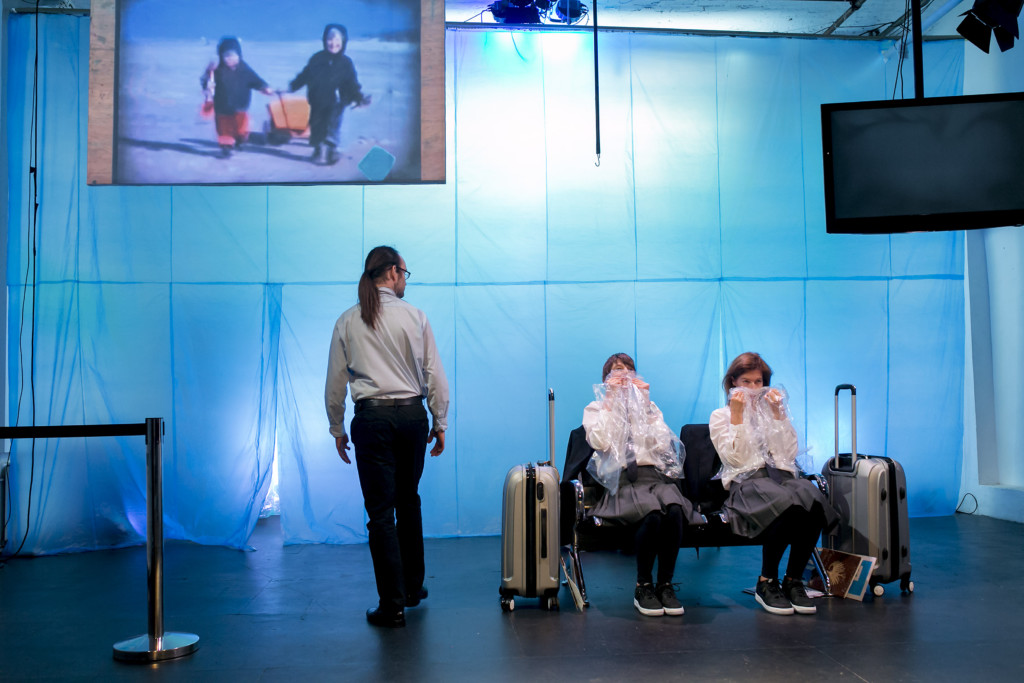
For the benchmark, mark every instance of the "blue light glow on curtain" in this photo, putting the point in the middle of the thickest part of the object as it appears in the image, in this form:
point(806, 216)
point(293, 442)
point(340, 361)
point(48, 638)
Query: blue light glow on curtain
point(700, 235)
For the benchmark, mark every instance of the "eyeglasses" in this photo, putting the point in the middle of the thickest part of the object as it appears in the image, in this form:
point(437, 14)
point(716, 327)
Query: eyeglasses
point(407, 273)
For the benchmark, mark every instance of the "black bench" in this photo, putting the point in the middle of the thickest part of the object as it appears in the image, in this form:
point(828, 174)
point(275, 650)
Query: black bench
point(700, 485)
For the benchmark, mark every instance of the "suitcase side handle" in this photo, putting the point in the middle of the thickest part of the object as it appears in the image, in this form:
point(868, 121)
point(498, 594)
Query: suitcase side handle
point(853, 425)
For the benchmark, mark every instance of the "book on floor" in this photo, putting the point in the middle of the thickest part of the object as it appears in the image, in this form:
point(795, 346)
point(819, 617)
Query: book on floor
point(848, 574)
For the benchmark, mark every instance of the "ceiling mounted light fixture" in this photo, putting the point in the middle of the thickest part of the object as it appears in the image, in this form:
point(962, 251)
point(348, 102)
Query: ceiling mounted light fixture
point(537, 11)
point(515, 12)
point(991, 16)
point(570, 11)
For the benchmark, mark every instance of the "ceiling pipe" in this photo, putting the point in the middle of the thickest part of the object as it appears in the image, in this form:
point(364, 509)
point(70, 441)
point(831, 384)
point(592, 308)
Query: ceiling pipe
point(926, 24)
point(854, 6)
point(935, 16)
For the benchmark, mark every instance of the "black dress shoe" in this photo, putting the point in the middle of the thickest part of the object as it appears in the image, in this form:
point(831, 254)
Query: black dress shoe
point(414, 599)
point(378, 617)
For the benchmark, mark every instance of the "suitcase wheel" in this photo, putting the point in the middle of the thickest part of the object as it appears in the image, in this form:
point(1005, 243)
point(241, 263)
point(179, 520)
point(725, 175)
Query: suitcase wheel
point(550, 604)
point(906, 585)
point(507, 604)
point(878, 589)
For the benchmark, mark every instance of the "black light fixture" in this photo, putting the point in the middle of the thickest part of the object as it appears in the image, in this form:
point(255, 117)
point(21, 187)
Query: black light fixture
point(570, 11)
point(515, 12)
point(537, 11)
point(991, 16)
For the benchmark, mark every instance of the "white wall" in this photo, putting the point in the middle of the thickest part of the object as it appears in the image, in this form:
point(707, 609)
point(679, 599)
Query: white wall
point(993, 469)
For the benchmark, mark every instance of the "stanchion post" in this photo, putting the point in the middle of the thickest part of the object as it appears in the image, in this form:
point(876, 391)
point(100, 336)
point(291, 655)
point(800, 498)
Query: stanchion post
point(3, 506)
point(155, 645)
point(155, 528)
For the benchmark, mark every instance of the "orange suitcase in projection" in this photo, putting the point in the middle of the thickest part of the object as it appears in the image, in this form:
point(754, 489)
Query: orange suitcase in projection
point(289, 117)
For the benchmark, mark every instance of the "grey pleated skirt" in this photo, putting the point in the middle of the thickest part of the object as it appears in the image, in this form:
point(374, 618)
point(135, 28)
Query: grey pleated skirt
point(651, 492)
point(754, 503)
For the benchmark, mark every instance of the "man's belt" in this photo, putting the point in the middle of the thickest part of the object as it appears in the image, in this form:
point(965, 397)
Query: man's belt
point(387, 402)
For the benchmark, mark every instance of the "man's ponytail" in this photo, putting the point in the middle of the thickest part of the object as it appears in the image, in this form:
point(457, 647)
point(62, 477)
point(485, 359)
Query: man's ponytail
point(377, 263)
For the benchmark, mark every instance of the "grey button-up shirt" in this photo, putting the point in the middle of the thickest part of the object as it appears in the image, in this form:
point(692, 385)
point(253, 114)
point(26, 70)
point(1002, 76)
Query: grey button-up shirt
point(399, 359)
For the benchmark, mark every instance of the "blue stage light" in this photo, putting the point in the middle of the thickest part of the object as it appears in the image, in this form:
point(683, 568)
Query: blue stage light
point(570, 11)
point(514, 12)
point(537, 11)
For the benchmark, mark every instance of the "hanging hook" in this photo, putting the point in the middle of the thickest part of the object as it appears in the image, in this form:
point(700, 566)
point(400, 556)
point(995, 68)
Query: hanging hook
point(598, 162)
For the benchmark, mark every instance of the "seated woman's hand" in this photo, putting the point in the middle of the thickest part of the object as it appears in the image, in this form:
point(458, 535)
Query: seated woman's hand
point(617, 379)
point(737, 403)
point(774, 398)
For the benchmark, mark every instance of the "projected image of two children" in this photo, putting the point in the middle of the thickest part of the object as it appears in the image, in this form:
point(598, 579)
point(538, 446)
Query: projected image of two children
point(252, 92)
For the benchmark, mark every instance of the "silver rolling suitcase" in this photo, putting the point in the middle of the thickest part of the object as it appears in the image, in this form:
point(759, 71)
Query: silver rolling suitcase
point(870, 495)
point(530, 558)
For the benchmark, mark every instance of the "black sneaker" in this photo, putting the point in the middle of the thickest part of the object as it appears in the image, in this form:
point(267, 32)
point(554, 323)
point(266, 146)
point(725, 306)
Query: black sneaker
point(669, 601)
point(794, 591)
point(770, 596)
point(646, 602)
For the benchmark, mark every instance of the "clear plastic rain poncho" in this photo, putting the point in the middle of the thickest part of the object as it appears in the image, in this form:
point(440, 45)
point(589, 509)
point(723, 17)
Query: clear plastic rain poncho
point(629, 427)
point(769, 441)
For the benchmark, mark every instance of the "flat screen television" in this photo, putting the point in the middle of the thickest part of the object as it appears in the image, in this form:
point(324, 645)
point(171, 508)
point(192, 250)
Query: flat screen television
point(942, 163)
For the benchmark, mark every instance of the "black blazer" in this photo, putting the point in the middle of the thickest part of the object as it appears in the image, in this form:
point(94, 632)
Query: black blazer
point(577, 455)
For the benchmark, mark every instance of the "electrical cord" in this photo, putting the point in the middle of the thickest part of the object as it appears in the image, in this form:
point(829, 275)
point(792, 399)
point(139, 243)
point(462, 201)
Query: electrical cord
point(30, 267)
point(513, 35)
point(963, 500)
point(903, 51)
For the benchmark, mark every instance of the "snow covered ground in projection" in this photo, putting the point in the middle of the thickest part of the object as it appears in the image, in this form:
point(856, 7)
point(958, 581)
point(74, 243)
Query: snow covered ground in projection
point(163, 137)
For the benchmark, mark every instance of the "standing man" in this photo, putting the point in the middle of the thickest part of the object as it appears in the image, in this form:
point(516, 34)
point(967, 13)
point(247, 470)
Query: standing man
point(385, 349)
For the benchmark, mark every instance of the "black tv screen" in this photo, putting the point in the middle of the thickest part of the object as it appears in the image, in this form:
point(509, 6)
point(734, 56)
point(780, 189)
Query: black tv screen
point(943, 163)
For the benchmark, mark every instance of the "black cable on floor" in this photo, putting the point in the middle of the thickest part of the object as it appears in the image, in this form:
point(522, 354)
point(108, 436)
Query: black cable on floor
point(963, 500)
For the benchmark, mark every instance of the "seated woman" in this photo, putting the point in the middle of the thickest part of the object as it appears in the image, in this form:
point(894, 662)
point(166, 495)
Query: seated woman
point(636, 459)
point(767, 500)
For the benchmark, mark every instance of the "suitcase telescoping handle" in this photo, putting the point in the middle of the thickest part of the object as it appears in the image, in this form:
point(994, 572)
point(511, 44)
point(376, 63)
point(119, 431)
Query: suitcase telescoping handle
point(551, 428)
point(853, 425)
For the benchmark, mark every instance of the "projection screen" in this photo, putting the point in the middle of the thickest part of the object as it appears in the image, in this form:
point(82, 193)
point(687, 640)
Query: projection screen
point(252, 92)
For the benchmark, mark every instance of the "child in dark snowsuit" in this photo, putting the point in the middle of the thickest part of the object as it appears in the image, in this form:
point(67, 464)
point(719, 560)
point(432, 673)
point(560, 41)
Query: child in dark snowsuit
point(231, 81)
point(331, 86)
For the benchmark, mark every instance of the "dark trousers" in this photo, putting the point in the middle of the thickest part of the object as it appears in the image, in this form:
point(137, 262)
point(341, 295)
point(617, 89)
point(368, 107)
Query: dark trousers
point(325, 124)
point(659, 536)
point(797, 528)
point(390, 445)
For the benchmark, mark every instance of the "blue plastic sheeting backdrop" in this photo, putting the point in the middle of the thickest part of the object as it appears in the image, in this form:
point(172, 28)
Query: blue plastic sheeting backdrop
point(700, 235)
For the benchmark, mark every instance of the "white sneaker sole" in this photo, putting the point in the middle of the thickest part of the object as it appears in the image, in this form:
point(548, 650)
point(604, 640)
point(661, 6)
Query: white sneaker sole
point(773, 610)
point(805, 610)
point(648, 612)
point(674, 611)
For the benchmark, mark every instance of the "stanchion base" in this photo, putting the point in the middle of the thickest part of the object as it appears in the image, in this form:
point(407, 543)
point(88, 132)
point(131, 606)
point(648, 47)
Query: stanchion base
point(147, 649)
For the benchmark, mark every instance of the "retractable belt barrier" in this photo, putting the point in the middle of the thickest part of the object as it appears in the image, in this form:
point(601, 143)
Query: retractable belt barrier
point(155, 645)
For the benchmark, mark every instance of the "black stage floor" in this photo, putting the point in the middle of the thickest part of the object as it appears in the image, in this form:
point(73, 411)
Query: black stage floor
point(296, 612)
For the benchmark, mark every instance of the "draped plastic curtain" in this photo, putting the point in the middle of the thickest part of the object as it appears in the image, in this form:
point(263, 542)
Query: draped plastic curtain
point(699, 235)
